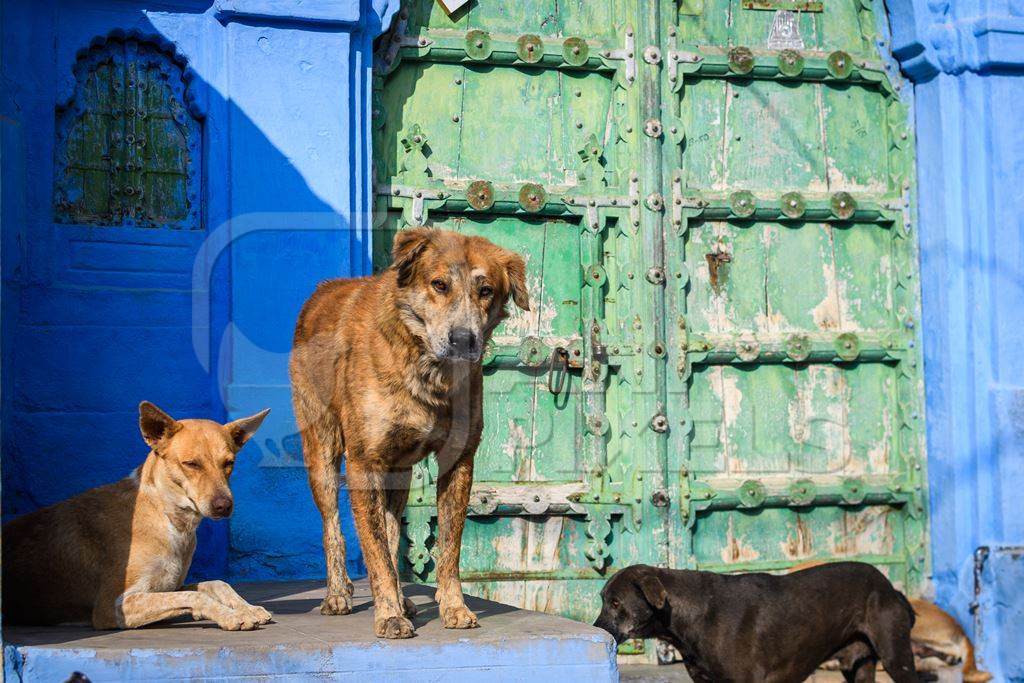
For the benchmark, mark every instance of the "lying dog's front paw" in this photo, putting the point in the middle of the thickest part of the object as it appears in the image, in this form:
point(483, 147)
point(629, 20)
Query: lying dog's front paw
point(394, 627)
point(459, 617)
point(237, 621)
point(261, 615)
point(336, 604)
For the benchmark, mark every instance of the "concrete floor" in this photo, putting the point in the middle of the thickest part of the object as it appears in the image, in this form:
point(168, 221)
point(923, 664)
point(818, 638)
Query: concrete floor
point(301, 644)
point(676, 673)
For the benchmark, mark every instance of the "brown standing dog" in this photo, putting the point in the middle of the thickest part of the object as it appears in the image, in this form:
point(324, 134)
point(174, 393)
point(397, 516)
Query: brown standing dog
point(117, 555)
point(386, 369)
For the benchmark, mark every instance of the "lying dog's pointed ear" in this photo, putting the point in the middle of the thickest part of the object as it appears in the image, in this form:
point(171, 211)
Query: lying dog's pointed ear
point(155, 424)
point(242, 429)
point(653, 590)
point(408, 246)
point(515, 266)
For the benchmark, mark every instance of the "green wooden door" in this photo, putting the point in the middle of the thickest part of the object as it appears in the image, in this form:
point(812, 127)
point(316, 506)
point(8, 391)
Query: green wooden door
point(713, 199)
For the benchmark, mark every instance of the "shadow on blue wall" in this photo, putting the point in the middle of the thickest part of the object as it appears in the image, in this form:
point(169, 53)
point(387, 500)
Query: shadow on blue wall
point(97, 319)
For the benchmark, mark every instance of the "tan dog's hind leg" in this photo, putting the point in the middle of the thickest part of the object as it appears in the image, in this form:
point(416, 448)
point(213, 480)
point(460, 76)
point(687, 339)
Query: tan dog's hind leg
point(453, 488)
point(226, 595)
point(139, 609)
point(397, 495)
point(369, 508)
point(322, 452)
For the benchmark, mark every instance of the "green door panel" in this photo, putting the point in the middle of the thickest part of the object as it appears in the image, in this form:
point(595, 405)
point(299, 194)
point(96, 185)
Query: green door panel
point(762, 135)
point(714, 206)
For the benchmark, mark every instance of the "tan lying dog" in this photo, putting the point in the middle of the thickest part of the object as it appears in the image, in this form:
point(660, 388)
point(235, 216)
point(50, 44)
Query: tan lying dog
point(118, 554)
point(939, 641)
point(386, 369)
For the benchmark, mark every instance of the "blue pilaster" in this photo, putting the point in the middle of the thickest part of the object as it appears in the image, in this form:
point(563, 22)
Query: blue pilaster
point(304, 88)
point(966, 60)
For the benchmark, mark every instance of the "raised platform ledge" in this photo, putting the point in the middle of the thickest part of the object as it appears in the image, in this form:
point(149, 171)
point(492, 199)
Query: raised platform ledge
point(301, 644)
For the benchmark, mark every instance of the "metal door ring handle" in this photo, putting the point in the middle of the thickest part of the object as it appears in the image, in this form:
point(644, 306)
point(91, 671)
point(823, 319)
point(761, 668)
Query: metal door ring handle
point(559, 352)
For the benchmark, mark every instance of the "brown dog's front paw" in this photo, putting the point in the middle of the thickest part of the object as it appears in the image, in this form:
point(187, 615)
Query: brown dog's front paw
point(409, 608)
point(459, 617)
point(336, 604)
point(394, 627)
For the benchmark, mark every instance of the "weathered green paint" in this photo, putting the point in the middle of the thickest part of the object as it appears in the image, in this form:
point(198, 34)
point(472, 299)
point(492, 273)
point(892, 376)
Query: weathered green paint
point(717, 233)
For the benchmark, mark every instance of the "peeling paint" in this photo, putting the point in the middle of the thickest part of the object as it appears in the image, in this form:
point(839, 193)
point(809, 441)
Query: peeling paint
point(827, 315)
point(737, 549)
point(517, 439)
point(533, 544)
point(726, 389)
point(818, 419)
point(862, 532)
point(799, 543)
point(770, 321)
point(878, 456)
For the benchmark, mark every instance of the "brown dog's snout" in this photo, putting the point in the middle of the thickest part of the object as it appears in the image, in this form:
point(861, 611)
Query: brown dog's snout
point(463, 340)
point(221, 506)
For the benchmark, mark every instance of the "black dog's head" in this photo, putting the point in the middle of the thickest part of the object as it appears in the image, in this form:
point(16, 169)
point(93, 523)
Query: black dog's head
point(631, 603)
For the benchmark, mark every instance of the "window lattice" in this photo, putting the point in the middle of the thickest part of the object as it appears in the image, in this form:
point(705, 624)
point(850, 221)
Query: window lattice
point(128, 149)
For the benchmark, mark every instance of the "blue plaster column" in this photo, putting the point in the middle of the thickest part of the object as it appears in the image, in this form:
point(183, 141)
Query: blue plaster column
point(298, 77)
point(966, 60)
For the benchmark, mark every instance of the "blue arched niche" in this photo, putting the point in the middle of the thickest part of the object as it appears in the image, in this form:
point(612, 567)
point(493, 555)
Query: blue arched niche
point(129, 149)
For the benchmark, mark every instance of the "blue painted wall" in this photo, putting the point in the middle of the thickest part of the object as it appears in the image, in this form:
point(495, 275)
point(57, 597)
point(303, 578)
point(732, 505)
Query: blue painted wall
point(198, 322)
point(966, 60)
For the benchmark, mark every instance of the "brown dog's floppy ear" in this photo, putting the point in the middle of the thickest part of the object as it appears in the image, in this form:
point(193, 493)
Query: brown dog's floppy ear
point(407, 247)
point(654, 591)
point(242, 429)
point(155, 424)
point(516, 269)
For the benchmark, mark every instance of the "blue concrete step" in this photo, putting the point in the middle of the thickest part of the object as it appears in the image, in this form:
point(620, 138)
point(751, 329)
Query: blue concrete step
point(301, 645)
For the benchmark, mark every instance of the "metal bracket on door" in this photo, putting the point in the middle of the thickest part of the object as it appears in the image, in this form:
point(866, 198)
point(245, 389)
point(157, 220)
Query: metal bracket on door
point(681, 203)
point(397, 40)
point(419, 196)
point(626, 54)
point(674, 58)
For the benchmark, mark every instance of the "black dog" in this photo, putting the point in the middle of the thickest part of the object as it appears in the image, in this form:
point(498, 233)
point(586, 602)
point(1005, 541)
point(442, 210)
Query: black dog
point(761, 628)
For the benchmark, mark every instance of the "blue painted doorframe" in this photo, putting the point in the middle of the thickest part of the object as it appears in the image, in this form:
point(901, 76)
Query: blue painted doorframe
point(966, 60)
point(197, 318)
